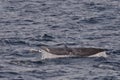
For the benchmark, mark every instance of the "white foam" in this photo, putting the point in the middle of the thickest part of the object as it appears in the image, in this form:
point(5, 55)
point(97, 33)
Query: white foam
point(100, 54)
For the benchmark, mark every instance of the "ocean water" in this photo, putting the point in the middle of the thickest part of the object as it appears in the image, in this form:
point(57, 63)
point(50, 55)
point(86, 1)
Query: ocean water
point(29, 24)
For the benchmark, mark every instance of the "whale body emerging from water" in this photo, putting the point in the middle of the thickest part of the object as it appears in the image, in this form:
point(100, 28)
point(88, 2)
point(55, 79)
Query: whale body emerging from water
point(57, 52)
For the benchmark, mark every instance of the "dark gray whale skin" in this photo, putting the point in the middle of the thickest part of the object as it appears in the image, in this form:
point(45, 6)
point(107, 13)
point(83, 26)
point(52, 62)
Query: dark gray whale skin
point(72, 51)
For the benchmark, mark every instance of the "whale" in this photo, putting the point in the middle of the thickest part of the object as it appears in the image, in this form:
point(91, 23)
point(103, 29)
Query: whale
point(60, 52)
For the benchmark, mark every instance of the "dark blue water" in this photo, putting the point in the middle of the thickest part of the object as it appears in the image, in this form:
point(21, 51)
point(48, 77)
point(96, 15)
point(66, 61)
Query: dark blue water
point(29, 24)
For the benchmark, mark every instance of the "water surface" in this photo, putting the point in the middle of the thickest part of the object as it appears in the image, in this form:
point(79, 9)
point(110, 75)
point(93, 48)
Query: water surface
point(29, 24)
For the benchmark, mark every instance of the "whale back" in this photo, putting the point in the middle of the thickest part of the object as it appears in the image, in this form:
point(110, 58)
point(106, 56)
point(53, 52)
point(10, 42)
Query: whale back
point(86, 51)
point(72, 51)
point(56, 51)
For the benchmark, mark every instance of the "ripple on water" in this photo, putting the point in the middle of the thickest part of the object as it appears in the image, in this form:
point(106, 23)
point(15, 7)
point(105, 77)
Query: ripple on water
point(108, 65)
point(106, 78)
